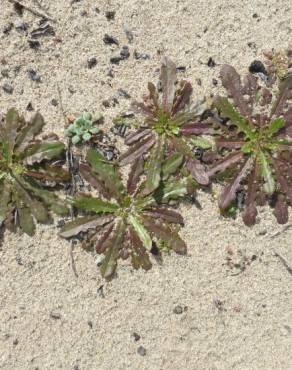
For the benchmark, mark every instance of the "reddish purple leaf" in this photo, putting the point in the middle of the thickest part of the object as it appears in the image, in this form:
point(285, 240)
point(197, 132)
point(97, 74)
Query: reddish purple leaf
point(196, 129)
point(139, 134)
point(168, 79)
point(226, 162)
point(102, 242)
point(198, 171)
point(229, 192)
point(183, 98)
point(93, 180)
point(135, 175)
point(229, 144)
point(281, 210)
point(141, 108)
point(140, 256)
point(166, 214)
point(250, 212)
point(137, 150)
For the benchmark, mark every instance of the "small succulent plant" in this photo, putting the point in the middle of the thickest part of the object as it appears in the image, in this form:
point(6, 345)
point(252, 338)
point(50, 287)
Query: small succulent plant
point(125, 222)
point(83, 128)
point(28, 166)
point(254, 144)
point(163, 137)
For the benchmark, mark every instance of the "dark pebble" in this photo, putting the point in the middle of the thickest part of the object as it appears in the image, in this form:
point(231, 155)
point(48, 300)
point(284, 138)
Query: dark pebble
point(199, 81)
point(19, 9)
point(125, 52)
point(29, 107)
point(110, 73)
point(141, 55)
point(55, 315)
point(257, 67)
point(83, 13)
point(92, 62)
point(141, 351)
point(54, 102)
point(251, 45)
point(32, 74)
point(178, 310)
point(129, 34)
point(181, 68)
point(110, 15)
point(15, 342)
point(124, 94)
point(110, 40)
point(5, 73)
point(96, 10)
point(90, 324)
point(214, 82)
point(8, 88)
point(20, 26)
point(7, 28)
point(34, 44)
point(60, 223)
point(136, 337)
point(116, 59)
point(255, 15)
point(211, 63)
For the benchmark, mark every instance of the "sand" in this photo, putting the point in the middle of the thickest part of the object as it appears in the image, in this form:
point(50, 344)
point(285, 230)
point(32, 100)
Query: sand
point(229, 317)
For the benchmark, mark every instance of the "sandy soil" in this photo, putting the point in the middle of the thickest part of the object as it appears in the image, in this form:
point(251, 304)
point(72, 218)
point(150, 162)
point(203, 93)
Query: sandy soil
point(230, 319)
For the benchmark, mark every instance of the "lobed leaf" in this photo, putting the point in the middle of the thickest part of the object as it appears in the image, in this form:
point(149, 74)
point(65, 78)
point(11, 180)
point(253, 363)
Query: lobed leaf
point(134, 176)
point(250, 212)
point(171, 164)
point(96, 205)
point(183, 98)
point(266, 172)
point(198, 171)
point(168, 79)
point(29, 132)
point(39, 152)
point(165, 214)
point(137, 150)
point(83, 224)
point(140, 257)
point(141, 231)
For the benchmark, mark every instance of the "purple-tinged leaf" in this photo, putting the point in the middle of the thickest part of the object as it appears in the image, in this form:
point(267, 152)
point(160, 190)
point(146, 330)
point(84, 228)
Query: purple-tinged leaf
point(198, 171)
point(196, 129)
point(141, 108)
point(250, 88)
point(103, 238)
point(165, 233)
point(109, 263)
point(50, 173)
point(171, 164)
point(29, 131)
point(285, 92)
point(137, 150)
point(137, 135)
point(153, 94)
point(281, 210)
point(5, 190)
point(107, 173)
point(10, 130)
point(226, 162)
point(183, 98)
point(140, 256)
point(154, 166)
point(229, 192)
point(96, 205)
point(284, 186)
point(135, 175)
point(93, 180)
point(165, 214)
point(229, 144)
point(168, 79)
point(231, 81)
point(39, 152)
point(83, 224)
point(250, 212)
point(141, 231)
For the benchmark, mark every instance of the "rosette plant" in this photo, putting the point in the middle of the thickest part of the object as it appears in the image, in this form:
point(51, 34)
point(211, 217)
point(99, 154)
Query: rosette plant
point(121, 221)
point(27, 166)
point(169, 120)
point(254, 144)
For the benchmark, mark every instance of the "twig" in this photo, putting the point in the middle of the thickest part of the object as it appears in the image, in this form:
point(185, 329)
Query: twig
point(33, 11)
point(286, 263)
point(286, 227)
point(72, 259)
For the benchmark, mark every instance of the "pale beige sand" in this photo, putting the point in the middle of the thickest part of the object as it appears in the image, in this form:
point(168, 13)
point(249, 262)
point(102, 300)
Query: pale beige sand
point(252, 327)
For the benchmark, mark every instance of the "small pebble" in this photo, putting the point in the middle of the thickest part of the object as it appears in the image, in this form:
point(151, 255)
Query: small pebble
point(7, 28)
point(110, 73)
point(136, 337)
point(211, 63)
point(34, 44)
point(125, 52)
point(20, 25)
point(199, 81)
point(178, 310)
point(257, 67)
point(110, 40)
point(55, 315)
point(129, 34)
point(214, 82)
point(90, 324)
point(5, 73)
point(181, 68)
point(110, 15)
point(124, 94)
point(54, 102)
point(19, 8)
point(32, 74)
point(15, 342)
point(141, 351)
point(141, 55)
point(29, 107)
point(8, 88)
point(92, 62)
